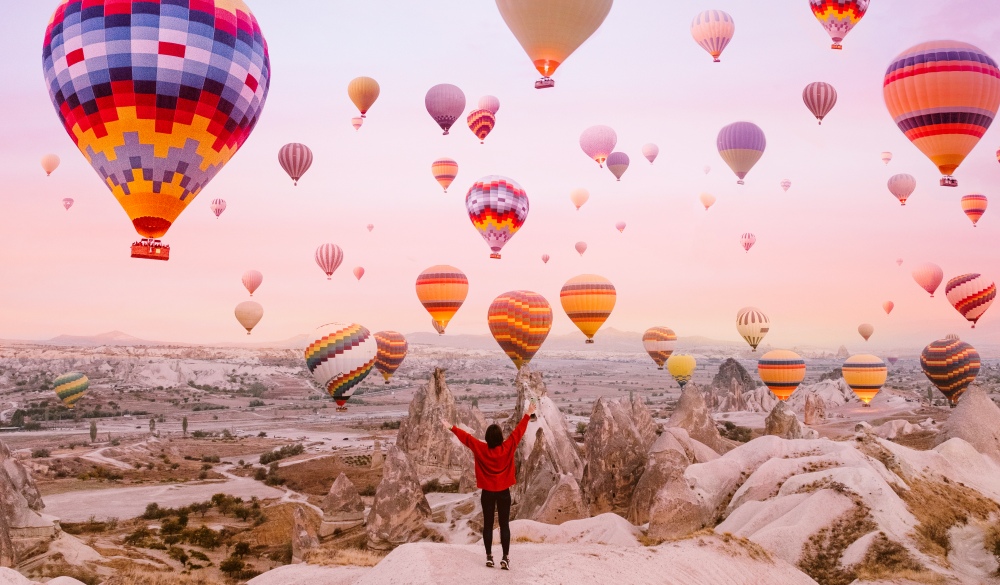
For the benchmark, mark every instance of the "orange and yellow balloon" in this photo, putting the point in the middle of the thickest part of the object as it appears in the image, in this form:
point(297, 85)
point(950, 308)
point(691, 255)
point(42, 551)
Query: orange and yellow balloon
point(363, 91)
point(659, 343)
point(865, 374)
point(588, 300)
point(520, 321)
point(781, 371)
point(442, 290)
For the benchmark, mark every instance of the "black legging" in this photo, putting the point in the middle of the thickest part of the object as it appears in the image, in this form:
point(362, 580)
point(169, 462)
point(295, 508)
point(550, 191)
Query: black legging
point(499, 501)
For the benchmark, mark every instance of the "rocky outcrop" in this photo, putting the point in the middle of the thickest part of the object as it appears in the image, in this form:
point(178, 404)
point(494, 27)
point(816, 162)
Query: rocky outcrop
point(815, 409)
point(22, 528)
point(669, 456)
point(783, 423)
point(616, 453)
point(377, 456)
point(400, 508)
point(342, 507)
point(303, 536)
point(975, 420)
point(692, 415)
point(729, 385)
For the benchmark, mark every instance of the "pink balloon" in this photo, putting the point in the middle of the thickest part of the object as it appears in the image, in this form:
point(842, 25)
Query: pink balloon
point(252, 280)
point(620, 226)
point(545, 258)
point(329, 257)
point(598, 142)
point(445, 103)
point(928, 276)
point(581, 247)
point(359, 272)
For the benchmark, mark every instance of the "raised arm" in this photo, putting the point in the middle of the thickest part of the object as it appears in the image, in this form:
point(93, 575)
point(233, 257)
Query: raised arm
point(466, 439)
point(518, 432)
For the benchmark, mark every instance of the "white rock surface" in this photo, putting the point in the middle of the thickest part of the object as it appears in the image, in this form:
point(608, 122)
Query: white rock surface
point(308, 575)
point(976, 420)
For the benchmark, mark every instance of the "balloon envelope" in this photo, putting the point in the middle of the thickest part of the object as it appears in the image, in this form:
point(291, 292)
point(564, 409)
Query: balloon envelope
point(359, 271)
point(579, 197)
point(659, 343)
point(620, 226)
point(545, 258)
point(217, 207)
point(974, 206)
point(786, 185)
point(650, 151)
point(747, 240)
point(339, 357)
point(752, 324)
point(520, 321)
point(971, 295)
point(357, 122)
point(741, 144)
point(888, 306)
point(707, 199)
point(489, 103)
point(681, 367)
point(445, 103)
point(886, 157)
point(581, 247)
point(598, 142)
point(498, 207)
point(249, 313)
point(252, 279)
point(902, 186)
point(391, 348)
point(928, 276)
point(838, 17)
point(781, 371)
point(67, 202)
point(442, 290)
point(370, 227)
point(865, 374)
point(819, 97)
point(618, 164)
point(866, 330)
point(951, 365)
point(296, 159)
point(50, 162)
point(444, 170)
point(71, 387)
point(328, 258)
point(481, 122)
point(363, 91)
point(712, 30)
point(588, 300)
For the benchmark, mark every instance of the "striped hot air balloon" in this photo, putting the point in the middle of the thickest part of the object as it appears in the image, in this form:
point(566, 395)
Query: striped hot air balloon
point(545, 258)
point(217, 207)
point(971, 295)
point(865, 374)
point(681, 367)
point(481, 122)
point(445, 103)
point(296, 159)
point(618, 164)
point(659, 343)
point(71, 387)
point(391, 351)
point(339, 358)
point(67, 203)
point(747, 240)
point(712, 30)
point(520, 321)
point(442, 290)
point(929, 276)
point(363, 91)
point(838, 17)
point(444, 170)
point(249, 313)
point(497, 207)
point(598, 142)
point(489, 103)
point(781, 371)
point(752, 324)
point(951, 365)
point(902, 186)
point(357, 122)
point(650, 151)
point(974, 206)
point(328, 258)
point(252, 279)
point(741, 144)
point(819, 97)
point(943, 95)
point(588, 300)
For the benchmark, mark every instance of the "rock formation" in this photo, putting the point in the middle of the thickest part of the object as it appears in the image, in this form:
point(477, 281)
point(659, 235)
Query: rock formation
point(22, 527)
point(783, 423)
point(377, 456)
point(976, 420)
point(669, 456)
point(616, 453)
point(693, 416)
point(303, 536)
point(400, 508)
point(729, 385)
point(342, 507)
point(815, 409)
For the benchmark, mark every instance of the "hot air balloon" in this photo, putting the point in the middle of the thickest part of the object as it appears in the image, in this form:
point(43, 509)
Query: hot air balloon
point(437, 326)
point(899, 261)
point(741, 144)
point(781, 371)
point(888, 306)
point(886, 157)
point(296, 159)
point(489, 103)
point(391, 348)
point(359, 271)
point(50, 163)
point(157, 104)
point(545, 258)
point(252, 280)
point(786, 185)
point(866, 330)
point(481, 122)
point(952, 337)
point(550, 30)
point(650, 151)
point(67, 202)
point(329, 257)
point(928, 276)
point(497, 207)
point(217, 206)
point(442, 290)
point(892, 360)
point(707, 169)
point(752, 325)
point(444, 170)
point(581, 247)
point(902, 186)
point(659, 343)
point(357, 122)
point(943, 95)
point(819, 97)
point(620, 226)
point(598, 142)
point(838, 17)
point(370, 227)
point(865, 374)
point(70, 387)
point(747, 240)
point(707, 199)
point(617, 164)
point(341, 356)
point(712, 30)
point(974, 207)
point(248, 313)
point(951, 365)
point(363, 91)
point(588, 300)
point(579, 197)
point(445, 103)
point(520, 321)
point(681, 367)
point(971, 295)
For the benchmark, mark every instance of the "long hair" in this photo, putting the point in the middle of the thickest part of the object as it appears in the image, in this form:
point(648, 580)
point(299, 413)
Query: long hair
point(494, 436)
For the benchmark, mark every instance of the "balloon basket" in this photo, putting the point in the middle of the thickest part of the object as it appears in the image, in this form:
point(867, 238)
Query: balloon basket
point(150, 249)
point(589, 341)
point(495, 256)
point(740, 182)
point(545, 82)
point(836, 46)
point(341, 409)
point(949, 181)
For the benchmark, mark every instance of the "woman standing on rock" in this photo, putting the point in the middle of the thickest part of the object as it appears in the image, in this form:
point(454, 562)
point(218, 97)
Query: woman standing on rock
point(494, 475)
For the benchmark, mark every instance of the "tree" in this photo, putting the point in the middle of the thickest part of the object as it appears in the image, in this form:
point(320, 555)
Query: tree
point(152, 425)
point(184, 425)
point(17, 420)
point(232, 566)
point(93, 431)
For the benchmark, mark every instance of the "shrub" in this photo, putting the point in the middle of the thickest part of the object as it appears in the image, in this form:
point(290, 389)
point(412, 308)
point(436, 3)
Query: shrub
point(39, 453)
point(282, 453)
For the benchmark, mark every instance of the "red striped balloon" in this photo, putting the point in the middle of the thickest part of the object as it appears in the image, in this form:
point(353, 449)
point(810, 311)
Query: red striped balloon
point(747, 240)
point(329, 257)
point(951, 365)
point(217, 207)
point(520, 321)
point(974, 206)
point(819, 97)
point(252, 280)
point(481, 122)
point(971, 295)
point(296, 159)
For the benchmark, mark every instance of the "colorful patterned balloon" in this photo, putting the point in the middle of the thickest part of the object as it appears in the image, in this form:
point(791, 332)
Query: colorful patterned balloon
point(929, 276)
point(67, 203)
point(943, 95)
point(650, 151)
point(157, 95)
point(328, 258)
point(497, 207)
point(588, 300)
point(781, 371)
point(741, 144)
point(444, 170)
point(445, 103)
point(217, 207)
point(838, 17)
point(865, 374)
point(442, 290)
point(974, 207)
point(363, 91)
point(481, 122)
point(618, 164)
point(902, 186)
point(70, 387)
point(339, 358)
point(747, 240)
point(820, 98)
point(712, 30)
point(296, 159)
point(659, 343)
point(951, 365)
point(971, 295)
point(866, 330)
point(597, 142)
point(520, 321)
point(391, 352)
point(252, 280)
point(752, 325)
point(681, 367)
point(249, 313)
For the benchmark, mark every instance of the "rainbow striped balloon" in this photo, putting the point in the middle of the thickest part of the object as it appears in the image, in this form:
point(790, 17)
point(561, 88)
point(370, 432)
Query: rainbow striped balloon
point(442, 290)
point(71, 387)
point(712, 30)
point(971, 295)
point(481, 122)
point(951, 365)
point(588, 300)
point(974, 206)
point(865, 374)
point(838, 17)
point(659, 343)
point(520, 321)
point(497, 207)
point(392, 348)
point(340, 358)
point(781, 371)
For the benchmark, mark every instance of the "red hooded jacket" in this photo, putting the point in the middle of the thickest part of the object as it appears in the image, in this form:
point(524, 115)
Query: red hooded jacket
point(494, 467)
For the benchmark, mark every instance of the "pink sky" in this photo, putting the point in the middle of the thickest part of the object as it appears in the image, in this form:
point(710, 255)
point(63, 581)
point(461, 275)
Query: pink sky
point(825, 255)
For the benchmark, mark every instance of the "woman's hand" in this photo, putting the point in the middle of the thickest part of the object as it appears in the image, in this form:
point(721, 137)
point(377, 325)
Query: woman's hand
point(531, 409)
point(447, 425)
